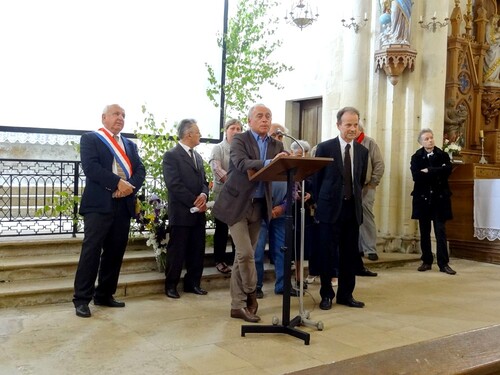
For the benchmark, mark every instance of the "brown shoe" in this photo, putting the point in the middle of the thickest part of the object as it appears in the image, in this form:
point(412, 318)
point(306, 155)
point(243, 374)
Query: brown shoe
point(244, 314)
point(252, 304)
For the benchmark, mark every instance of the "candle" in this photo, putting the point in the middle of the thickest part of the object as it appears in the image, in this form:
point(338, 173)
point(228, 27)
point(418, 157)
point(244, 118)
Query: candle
point(365, 17)
point(421, 19)
point(481, 134)
point(434, 14)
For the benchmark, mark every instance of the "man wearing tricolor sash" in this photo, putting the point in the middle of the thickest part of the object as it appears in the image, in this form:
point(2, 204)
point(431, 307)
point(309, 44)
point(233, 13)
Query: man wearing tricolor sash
point(114, 173)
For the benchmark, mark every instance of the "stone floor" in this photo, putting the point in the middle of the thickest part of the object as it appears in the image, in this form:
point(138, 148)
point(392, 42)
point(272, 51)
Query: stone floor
point(195, 335)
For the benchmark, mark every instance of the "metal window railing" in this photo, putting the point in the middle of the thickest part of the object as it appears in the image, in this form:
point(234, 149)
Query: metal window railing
point(29, 186)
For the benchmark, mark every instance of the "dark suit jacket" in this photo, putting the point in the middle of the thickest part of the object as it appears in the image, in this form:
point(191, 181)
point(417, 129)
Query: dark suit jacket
point(184, 183)
point(101, 182)
point(237, 192)
point(328, 188)
point(431, 192)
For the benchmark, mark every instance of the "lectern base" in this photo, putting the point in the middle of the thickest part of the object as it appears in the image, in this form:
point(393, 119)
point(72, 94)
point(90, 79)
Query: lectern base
point(286, 329)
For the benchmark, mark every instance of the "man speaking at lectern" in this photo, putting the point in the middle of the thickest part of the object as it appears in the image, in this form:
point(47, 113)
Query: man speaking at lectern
point(242, 204)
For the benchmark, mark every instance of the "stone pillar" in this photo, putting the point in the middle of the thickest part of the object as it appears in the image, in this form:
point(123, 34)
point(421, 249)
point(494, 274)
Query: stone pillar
point(347, 85)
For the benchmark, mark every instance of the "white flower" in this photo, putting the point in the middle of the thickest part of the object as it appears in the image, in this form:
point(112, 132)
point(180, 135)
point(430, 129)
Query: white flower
point(452, 147)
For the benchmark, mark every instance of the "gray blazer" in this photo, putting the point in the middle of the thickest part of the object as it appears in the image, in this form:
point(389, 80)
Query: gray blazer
point(236, 195)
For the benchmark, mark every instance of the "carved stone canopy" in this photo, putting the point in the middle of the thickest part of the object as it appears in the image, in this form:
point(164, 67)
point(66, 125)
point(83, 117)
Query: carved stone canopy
point(394, 60)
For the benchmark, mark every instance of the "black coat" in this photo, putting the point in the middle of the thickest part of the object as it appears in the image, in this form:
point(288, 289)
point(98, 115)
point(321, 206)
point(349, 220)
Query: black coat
point(431, 192)
point(328, 183)
point(184, 183)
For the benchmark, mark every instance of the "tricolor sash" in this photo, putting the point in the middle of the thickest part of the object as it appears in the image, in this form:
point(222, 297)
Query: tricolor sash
point(115, 148)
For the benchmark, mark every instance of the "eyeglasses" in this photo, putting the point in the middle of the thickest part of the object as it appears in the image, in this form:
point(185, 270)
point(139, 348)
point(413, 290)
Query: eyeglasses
point(277, 136)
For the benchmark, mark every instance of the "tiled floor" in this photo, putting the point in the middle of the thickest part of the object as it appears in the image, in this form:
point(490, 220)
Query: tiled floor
point(194, 335)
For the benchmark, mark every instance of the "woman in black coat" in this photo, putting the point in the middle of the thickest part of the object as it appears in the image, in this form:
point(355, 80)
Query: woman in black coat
point(430, 168)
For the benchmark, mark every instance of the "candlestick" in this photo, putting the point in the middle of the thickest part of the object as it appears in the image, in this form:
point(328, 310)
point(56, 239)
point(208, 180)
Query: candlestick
point(483, 159)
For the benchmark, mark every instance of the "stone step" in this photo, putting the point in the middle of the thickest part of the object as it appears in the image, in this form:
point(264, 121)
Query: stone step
point(57, 290)
point(52, 266)
point(64, 244)
point(40, 269)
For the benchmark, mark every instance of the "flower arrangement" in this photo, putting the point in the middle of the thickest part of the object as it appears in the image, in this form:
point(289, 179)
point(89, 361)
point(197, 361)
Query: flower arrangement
point(153, 218)
point(452, 148)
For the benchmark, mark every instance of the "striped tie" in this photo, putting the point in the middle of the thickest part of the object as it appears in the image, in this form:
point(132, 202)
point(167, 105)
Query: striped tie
point(119, 169)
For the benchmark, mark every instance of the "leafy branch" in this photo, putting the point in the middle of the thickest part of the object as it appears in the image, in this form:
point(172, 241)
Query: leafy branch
point(250, 42)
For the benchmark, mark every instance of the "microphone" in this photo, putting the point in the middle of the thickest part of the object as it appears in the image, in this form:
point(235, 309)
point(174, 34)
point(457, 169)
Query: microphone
point(279, 132)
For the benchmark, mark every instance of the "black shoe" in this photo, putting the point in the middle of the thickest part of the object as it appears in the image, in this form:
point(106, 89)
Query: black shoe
point(424, 267)
point(325, 304)
point(83, 311)
point(366, 272)
point(447, 269)
point(351, 302)
point(172, 293)
point(260, 293)
point(111, 302)
point(373, 256)
point(196, 290)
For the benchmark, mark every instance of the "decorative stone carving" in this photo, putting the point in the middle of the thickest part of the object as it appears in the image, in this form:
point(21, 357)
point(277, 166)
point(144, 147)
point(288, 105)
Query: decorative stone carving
point(394, 60)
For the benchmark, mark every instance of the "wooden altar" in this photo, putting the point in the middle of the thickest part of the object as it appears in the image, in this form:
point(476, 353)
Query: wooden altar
point(460, 230)
point(472, 96)
point(472, 108)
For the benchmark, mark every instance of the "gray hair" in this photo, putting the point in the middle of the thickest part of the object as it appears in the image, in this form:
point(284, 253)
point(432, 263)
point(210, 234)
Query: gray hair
point(422, 132)
point(361, 126)
point(341, 112)
point(296, 146)
point(252, 108)
point(108, 107)
point(184, 127)
point(275, 126)
point(232, 121)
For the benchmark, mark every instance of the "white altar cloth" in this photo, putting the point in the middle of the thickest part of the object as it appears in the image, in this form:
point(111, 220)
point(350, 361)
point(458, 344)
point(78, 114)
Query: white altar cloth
point(487, 209)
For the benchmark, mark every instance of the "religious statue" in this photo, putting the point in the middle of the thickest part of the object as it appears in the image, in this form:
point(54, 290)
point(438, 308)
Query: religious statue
point(399, 30)
point(492, 57)
point(454, 122)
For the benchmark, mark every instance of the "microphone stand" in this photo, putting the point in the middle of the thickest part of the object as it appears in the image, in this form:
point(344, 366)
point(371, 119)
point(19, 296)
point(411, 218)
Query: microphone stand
point(304, 314)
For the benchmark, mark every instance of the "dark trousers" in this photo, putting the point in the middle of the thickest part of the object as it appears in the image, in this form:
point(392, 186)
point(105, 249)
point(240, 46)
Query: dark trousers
point(104, 243)
point(221, 236)
point(186, 245)
point(339, 248)
point(425, 241)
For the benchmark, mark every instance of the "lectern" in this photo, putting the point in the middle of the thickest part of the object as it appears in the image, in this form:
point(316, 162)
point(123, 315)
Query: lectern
point(288, 169)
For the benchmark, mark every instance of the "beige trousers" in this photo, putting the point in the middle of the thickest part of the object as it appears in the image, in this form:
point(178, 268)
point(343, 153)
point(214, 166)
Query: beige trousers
point(245, 234)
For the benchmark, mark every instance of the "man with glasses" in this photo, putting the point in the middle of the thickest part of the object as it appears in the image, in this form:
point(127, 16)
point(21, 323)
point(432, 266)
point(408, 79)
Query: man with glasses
point(187, 188)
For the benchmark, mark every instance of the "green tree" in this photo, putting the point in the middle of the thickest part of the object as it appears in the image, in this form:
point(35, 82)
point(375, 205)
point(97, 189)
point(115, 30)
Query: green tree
point(154, 140)
point(250, 42)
